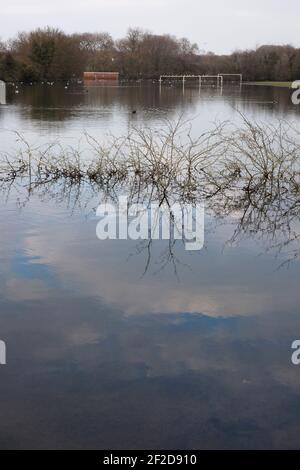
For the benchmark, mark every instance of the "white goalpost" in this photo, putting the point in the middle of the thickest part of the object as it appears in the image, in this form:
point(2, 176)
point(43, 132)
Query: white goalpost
point(202, 79)
point(239, 75)
point(219, 79)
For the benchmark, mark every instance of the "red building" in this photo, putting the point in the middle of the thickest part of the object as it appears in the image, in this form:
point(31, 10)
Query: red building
point(101, 76)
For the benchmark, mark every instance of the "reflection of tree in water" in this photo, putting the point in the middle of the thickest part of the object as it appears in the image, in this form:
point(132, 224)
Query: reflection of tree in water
point(249, 174)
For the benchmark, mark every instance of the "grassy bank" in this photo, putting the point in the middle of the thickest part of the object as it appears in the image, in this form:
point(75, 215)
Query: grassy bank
point(269, 83)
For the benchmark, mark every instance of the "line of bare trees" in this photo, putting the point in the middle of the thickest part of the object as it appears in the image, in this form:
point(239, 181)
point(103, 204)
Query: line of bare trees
point(51, 54)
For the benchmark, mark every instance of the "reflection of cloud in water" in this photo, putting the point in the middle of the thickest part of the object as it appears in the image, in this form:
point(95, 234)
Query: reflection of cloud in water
point(233, 282)
point(75, 358)
point(91, 367)
point(227, 382)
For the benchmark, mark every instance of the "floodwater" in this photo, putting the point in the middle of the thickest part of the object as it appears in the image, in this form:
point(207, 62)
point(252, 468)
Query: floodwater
point(194, 353)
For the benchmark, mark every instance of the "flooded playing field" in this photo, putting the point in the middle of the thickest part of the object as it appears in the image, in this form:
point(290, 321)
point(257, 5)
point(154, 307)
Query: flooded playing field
point(118, 344)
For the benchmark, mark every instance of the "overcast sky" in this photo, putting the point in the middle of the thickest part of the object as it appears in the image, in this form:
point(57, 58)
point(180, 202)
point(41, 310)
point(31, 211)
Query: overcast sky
point(220, 26)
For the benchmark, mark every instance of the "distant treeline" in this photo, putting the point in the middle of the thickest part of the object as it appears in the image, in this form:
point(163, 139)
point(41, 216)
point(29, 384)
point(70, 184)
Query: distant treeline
point(50, 54)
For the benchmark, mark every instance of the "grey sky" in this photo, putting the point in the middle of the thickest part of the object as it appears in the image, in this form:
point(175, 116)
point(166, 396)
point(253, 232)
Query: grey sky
point(217, 25)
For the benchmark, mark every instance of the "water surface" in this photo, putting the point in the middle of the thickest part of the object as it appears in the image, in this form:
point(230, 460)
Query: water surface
point(102, 355)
